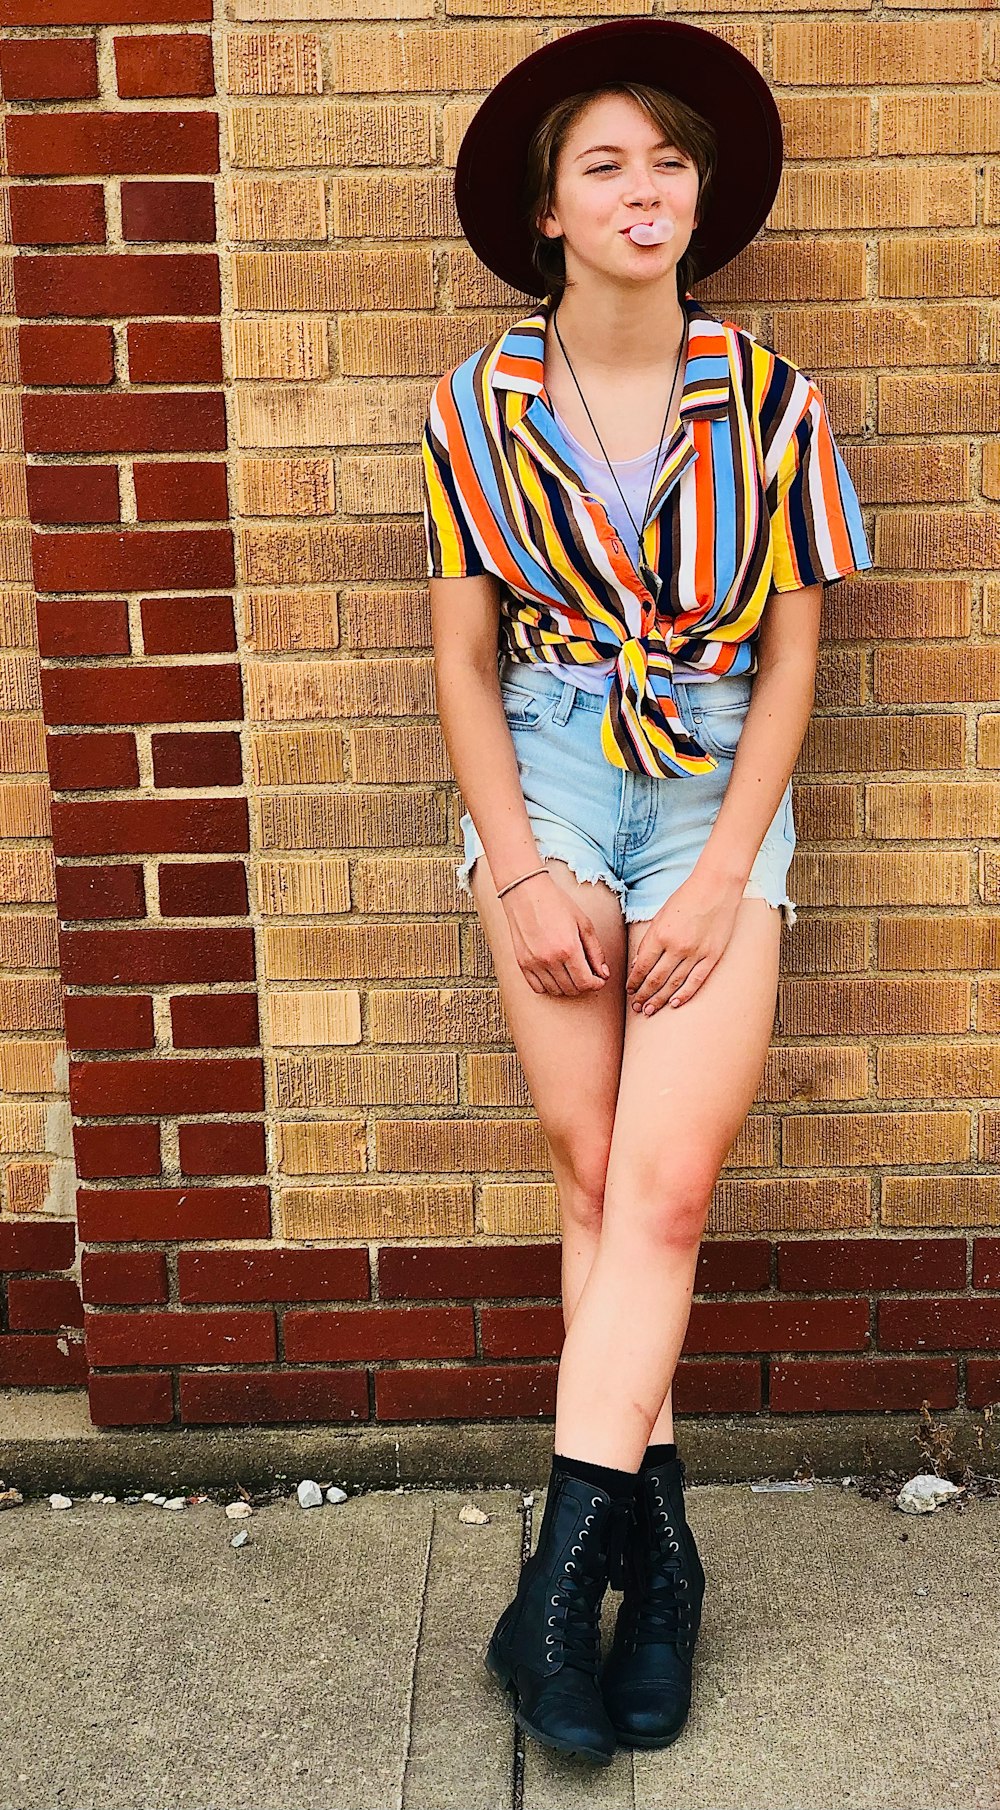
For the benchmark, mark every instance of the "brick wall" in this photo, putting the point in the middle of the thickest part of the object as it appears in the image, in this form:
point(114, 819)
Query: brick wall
point(312, 1185)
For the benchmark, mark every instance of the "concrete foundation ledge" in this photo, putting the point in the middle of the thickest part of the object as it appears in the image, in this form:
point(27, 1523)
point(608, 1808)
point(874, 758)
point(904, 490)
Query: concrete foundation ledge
point(47, 1442)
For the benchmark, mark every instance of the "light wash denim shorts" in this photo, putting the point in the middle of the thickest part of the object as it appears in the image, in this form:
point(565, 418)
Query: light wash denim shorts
point(641, 835)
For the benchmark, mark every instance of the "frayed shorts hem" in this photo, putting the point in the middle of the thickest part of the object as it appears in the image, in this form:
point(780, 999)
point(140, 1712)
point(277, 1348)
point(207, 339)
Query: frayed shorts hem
point(633, 914)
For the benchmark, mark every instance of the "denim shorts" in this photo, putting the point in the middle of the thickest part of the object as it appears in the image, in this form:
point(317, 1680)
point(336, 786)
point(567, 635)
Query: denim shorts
point(641, 835)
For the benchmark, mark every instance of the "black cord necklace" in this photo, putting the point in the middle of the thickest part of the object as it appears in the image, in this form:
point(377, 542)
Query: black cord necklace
point(651, 579)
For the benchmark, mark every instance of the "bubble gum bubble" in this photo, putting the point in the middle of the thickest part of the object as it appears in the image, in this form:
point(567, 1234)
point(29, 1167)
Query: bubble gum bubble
point(641, 234)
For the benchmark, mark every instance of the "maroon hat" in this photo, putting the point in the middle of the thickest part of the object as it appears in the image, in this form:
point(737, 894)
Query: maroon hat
point(694, 65)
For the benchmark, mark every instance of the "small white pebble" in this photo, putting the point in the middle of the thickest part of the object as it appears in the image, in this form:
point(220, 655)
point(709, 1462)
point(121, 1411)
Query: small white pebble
point(60, 1501)
point(96, 1496)
point(238, 1511)
point(334, 1494)
point(241, 1538)
point(175, 1502)
point(109, 1498)
point(158, 1501)
point(10, 1498)
point(469, 1512)
point(309, 1494)
point(150, 1496)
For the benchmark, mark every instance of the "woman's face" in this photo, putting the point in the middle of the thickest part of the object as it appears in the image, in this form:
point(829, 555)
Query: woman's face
point(614, 169)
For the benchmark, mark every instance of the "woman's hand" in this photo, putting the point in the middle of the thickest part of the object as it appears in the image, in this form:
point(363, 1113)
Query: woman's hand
point(557, 947)
point(682, 943)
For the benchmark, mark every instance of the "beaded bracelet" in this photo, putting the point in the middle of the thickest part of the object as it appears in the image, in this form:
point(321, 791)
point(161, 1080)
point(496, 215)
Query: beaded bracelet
point(510, 883)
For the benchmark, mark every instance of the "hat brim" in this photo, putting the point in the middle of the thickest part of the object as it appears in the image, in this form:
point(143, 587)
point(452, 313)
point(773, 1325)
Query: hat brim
point(700, 69)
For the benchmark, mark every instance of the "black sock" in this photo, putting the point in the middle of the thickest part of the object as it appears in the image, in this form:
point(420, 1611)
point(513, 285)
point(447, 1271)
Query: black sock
point(657, 1454)
point(620, 1485)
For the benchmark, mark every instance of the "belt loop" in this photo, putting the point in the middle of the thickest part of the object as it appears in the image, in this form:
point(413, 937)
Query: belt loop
point(565, 701)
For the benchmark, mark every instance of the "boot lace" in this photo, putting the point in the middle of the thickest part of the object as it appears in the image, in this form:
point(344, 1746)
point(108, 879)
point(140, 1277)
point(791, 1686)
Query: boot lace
point(663, 1610)
point(578, 1629)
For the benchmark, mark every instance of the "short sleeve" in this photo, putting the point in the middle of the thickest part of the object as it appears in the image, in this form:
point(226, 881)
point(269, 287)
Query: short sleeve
point(817, 534)
point(451, 549)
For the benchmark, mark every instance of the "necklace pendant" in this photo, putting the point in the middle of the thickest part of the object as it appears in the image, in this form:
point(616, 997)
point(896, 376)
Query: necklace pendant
point(650, 579)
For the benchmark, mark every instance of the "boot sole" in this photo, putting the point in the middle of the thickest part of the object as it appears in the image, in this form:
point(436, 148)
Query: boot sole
point(630, 1740)
point(503, 1677)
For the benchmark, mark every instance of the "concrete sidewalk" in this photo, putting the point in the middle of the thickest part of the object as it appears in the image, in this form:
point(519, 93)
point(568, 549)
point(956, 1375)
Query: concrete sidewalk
point(848, 1660)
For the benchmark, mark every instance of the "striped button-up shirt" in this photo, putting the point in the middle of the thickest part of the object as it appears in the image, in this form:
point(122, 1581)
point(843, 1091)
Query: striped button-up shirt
point(751, 496)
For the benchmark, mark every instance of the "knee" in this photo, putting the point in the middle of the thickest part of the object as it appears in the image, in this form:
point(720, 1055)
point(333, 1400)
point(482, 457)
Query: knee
point(670, 1212)
point(580, 1181)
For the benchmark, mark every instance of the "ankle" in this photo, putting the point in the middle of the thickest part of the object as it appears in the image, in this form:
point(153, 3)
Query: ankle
point(619, 1485)
point(658, 1454)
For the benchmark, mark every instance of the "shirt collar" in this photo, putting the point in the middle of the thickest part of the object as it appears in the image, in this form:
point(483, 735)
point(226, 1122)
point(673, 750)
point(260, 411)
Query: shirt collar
point(519, 361)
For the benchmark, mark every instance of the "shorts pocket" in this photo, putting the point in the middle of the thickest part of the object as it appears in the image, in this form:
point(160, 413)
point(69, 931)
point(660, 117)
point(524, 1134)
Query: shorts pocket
point(526, 709)
point(719, 727)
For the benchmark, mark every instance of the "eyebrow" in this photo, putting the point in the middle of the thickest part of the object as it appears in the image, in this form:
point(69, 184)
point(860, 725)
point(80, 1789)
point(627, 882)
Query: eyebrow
point(663, 145)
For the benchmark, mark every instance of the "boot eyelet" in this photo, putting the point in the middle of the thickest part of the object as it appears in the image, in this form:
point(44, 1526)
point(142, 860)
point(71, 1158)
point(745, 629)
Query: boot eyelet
point(555, 1601)
point(550, 1656)
point(576, 1549)
point(549, 1639)
point(570, 1564)
point(674, 1546)
point(595, 1501)
point(589, 1518)
point(667, 1530)
point(682, 1583)
point(659, 1500)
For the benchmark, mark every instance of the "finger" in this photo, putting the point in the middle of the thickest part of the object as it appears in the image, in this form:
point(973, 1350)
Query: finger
point(660, 974)
point(692, 982)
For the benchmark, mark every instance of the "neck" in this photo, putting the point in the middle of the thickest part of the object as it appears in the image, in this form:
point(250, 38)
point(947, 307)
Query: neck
point(618, 333)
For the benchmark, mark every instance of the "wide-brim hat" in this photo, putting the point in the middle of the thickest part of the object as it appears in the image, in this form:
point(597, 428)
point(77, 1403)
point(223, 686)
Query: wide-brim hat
point(700, 69)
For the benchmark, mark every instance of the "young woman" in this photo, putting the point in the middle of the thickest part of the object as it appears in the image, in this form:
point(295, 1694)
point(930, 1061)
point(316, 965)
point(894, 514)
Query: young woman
point(614, 490)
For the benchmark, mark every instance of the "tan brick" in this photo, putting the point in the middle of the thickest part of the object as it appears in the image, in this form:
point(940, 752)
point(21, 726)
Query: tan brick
point(352, 133)
point(374, 486)
point(315, 1018)
point(273, 62)
point(938, 1071)
point(885, 744)
point(873, 610)
point(845, 52)
point(412, 754)
point(30, 1003)
point(298, 691)
point(939, 539)
point(303, 1083)
point(748, 1206)
point(289, 554)
point(405, 885)
point(18, 623)
point(934, 810)
point(518, 1210)
point(284, 350)
point(339, 414)
point(24, 810)
point(461, 1015)
point(866, 196)
point(22, 745)
point(487, 1146)
point(303, 888)
point(817, 338)
point(317, 282)
point(262, 209)
point(338, 1148)
point(956, 404)
point(22, 1129)
point(10, 367)
point(392, 345)
point(373, 1211)
point(960, 264)
point(911, 474)
point(398, 207)
point(13, 488)
point(355, 951)
point(287, 487)
point(331, 9)
point(874, 1008)
point(27, 876)
point(28, 940)
point(936, 675)
point(940, 1200)
point(289, 757)
point(874, 1138)
point(388, 819)
point(375, 617)
point(397, 61)
point(20, 687)
point(33, 1067)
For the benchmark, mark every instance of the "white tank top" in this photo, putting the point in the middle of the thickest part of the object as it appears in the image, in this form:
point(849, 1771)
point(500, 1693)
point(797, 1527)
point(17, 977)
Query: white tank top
point(635, 477)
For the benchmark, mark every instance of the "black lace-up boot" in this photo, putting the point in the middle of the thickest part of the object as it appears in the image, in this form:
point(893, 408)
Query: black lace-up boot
point(546, 1648)
point(646, 1679)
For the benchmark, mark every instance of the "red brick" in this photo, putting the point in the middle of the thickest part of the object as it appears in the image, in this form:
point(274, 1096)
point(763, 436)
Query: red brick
point(66, 355)
point(982, 1382)
point(91, 763)
point(195, 759)
point(73, 493)
point(521, 1331)
point(223, 1021)
point(116, 1150)
point(204, 889)
point(40, 1245)
point(370, 1333)
point(181, 491)
point(986, 1263)
point(97, 625)
point(875, 1385)
point(142, 694)
point(718, 1388)
point(961, 1324)
point(61, 213)
point(112, 1215)
point(273, 1397)
point(118, 1021)
point(104, 12)
point(159, 213)
point(85, 894)
point(149, 957)
point(38, 1359)
point(124, 283)
point(124, 422)
point(764, 1326)
point(180, 1338)
point(274, 1275)
point(190, 353)
point(169, 1085)
point(188, 625)
point(145, 1399)
point(53, 69)
point(151, 826)
point(464, 1392)
point(132, 562)
point(123, 1278)
point(43, 1304)
point(112, 144)
point(151, 66)
point(470, 1272)
point(236, 1149)
point(730, 1266)
point(814, 1265)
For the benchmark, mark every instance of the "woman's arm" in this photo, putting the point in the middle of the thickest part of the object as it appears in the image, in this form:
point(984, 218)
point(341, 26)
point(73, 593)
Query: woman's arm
point(776, 721)
point(465, 614)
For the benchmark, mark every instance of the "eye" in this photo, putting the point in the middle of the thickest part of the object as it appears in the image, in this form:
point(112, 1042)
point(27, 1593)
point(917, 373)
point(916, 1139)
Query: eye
point(674, 163)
